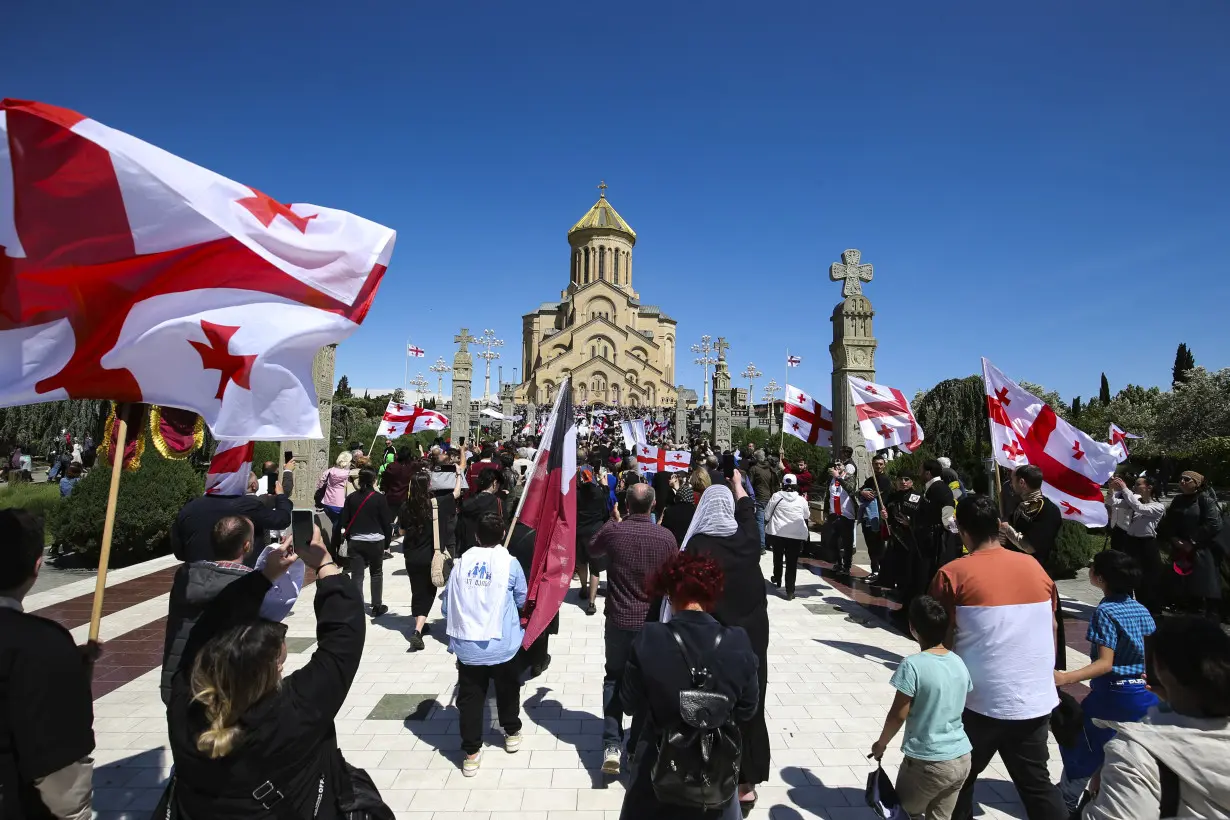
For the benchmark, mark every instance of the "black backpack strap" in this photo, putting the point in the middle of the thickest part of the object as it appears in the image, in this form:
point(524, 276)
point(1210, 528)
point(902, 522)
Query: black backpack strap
point(698, 675)
point(1169, 804)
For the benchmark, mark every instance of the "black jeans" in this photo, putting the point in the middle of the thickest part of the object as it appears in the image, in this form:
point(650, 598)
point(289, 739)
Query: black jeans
point(1022, 746)
point(875, 547)
point(368, 554)
point(785, 551)
point(841, 530)
point(472, 683)
point(618, 648)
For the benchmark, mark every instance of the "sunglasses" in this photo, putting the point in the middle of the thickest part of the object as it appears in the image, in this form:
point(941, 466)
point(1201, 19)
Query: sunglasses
point(1186, 480)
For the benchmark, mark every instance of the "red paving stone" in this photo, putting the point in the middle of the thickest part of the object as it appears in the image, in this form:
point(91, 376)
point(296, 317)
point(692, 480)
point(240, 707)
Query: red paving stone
point(74, 612)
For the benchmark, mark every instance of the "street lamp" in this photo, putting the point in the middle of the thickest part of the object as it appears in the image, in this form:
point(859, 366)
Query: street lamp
point(751, 374)
point(705, 359)
point(419, 384)
point(770, 395)
point(489, 341)
point(440, 368)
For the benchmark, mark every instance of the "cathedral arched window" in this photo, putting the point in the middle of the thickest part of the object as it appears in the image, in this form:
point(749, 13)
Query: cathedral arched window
point(606, 353)
point(602, 263)
point(586, 265)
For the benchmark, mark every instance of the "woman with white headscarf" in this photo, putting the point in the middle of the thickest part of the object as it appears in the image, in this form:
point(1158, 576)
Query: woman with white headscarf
point(724, 527)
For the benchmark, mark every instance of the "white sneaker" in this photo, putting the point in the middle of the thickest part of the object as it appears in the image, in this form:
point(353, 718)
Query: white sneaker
point(610, 760)
point(512, 743)
point(469, 766)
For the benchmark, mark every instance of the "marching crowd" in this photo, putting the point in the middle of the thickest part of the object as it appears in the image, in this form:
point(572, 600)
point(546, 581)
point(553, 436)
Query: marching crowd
point(686, 633)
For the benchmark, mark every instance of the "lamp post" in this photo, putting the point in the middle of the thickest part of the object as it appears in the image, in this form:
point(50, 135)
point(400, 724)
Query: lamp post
point(751, 374)
point(770, 395)
point(489, 341)
point(705, 359)
point(419, 384)
point(440, 368)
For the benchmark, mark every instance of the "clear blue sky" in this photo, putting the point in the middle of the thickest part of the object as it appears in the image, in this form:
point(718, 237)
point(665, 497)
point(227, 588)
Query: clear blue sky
point(1045, 185)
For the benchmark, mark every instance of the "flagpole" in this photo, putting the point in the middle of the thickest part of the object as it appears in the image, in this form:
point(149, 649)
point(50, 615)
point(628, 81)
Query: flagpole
point(406, 381)
point(999, 487)
point(104, 555)
point(772, 401)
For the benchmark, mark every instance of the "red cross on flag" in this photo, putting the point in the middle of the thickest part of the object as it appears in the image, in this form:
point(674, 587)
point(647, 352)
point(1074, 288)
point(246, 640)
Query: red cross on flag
point(793, 361)
point(415, 351)
point(127, 273)
point(402, 420)
point(1025, 430)
point(1118, 442)
point(884, 416)
point(806, 419)
point(660, 460)
point(230, 468)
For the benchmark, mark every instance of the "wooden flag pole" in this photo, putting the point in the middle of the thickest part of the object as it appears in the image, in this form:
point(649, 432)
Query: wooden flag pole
point(104, 555)
point(999, 488)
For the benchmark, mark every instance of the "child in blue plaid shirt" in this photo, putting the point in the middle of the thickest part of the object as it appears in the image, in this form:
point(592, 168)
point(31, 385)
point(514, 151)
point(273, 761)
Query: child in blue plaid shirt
point(1116, 676)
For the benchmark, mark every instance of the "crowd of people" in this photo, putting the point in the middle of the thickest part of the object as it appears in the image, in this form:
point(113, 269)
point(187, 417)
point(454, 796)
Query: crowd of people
point(686, 633)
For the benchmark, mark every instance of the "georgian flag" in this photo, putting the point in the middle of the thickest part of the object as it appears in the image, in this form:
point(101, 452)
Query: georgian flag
point(549, 507)
point(793, 361)
point(415, 351)
point(884, 416)
point(660, 460)
point(806, 419)
point(129, 274)
point(404, 419)
point(230, 468)
point(1118, 442)
point(1025, 430)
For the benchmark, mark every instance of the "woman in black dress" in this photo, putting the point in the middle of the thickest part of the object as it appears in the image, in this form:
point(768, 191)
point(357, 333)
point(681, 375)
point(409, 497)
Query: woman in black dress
point(724, 527)
point(592, 513)
point(1189, 528)
point(657, 672)
point(419, 547)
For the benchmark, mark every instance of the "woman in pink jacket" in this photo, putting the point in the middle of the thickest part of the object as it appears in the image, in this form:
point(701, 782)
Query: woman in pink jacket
point(333, 481)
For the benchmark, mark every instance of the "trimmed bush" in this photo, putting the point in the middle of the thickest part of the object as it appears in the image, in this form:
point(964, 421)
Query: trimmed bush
point(42, 500)
point(1074, 549)
point(149, 500)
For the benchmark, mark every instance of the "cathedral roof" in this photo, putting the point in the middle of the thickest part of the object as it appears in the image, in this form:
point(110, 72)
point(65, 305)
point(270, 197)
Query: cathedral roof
point(603, 216)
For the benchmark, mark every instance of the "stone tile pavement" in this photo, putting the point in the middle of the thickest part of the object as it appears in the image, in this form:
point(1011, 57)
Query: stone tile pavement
point(830, 661)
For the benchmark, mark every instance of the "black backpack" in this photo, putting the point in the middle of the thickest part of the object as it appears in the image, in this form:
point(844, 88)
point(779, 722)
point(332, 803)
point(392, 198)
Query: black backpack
point(698, 759)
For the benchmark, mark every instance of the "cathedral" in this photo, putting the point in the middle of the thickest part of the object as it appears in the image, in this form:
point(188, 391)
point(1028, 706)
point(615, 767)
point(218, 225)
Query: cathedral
point(617, 350)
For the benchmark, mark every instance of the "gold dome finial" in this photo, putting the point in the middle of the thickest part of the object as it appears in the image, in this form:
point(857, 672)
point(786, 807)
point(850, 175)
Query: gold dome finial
point(602, 189)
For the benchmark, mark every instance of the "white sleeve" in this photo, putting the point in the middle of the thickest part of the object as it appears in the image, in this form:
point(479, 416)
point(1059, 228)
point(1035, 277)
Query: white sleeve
point(68, 794)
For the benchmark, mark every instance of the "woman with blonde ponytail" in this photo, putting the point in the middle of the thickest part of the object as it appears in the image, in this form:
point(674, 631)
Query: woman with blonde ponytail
point(243, 738)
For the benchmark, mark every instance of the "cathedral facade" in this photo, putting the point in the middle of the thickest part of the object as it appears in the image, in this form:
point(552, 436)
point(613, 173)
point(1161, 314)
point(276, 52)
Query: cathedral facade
point(617, 350)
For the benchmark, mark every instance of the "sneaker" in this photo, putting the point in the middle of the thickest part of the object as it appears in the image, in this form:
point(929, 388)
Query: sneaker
point(469, 766)
point(774, 582)
point(377, 611)
point(591, 609)
point(583, 595)
point(610, 760)
point(512, 743)
point(416, 643)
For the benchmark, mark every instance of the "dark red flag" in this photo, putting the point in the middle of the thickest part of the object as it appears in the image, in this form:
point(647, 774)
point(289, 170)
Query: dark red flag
point(549, 506)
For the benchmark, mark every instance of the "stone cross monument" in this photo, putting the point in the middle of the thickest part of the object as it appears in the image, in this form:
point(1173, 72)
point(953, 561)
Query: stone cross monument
point(506, 408)
point(854, 354)
point(463, 371)
point(721, 399)
point(681, 419)
point(312, 455)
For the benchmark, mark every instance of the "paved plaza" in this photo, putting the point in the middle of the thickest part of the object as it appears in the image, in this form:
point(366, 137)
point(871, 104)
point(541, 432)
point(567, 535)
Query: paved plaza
point(830, 661)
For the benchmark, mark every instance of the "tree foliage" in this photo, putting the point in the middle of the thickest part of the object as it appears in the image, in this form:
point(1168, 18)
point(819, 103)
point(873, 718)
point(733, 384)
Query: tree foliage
point(36, 427)
point(1184, 361)
point(1197, 409)
point(953, 416)
point(343, 390)
point(1104, 391)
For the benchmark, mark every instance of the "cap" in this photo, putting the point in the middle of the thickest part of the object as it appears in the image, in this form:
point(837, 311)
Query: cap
point(790, 479)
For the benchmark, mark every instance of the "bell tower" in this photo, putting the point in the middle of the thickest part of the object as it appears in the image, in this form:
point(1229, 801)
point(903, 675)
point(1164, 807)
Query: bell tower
point(601, 247)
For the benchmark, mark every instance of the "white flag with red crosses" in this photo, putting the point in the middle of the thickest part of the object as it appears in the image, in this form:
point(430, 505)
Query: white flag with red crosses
point(230, 468)
point(884, 416)
point(403, 419)
point(661, 460)
point(1025, 430)
point(807, 419)
point(130, 274)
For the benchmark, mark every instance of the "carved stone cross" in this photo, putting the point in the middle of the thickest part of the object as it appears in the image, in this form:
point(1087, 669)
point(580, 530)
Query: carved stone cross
point(721, 348)
point(465, 338)
point(850, 270)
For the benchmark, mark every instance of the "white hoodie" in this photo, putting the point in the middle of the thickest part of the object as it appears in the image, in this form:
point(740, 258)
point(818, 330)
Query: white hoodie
point(1195, 749)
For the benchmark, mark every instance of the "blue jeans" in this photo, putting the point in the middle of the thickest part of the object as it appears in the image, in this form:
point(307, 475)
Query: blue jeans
point(760, 521)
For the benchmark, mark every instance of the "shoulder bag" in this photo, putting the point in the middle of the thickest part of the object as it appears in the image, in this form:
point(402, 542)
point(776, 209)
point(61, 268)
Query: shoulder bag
point(441, 561)
point(343, 549)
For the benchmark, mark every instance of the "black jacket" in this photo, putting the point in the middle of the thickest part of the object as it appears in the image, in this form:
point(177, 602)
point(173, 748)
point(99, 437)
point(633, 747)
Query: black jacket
point(194, 586)
point(739, 556)
point(191, 534)
point(289, 737)
point(365, 512)
point(1040, 530)
point(655, 675)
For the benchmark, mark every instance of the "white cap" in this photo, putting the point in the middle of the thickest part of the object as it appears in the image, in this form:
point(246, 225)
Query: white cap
point(789, 478)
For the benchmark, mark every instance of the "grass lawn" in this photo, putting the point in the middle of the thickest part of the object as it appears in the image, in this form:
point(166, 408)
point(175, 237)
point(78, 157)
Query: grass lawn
point(39, 499)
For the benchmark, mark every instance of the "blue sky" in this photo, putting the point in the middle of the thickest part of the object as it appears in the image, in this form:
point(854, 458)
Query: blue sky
point(1044, 184)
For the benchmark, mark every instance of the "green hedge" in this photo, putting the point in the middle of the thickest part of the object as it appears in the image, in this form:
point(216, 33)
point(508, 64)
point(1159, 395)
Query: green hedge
point(1074, 549)
point(149, 500)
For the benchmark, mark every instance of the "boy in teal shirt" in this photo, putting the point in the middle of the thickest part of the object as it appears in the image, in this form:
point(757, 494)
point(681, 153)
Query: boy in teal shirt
point(931, 688)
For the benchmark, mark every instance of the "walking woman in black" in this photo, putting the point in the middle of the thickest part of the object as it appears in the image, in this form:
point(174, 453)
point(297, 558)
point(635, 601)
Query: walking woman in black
point(1190, 526)
point(724, 527)
point(366, 525)
point(592, 513)
point(657, 672)
point(419, 547)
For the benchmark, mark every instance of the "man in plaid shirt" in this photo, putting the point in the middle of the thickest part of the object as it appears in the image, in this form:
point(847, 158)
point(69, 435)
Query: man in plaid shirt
point(636, 548)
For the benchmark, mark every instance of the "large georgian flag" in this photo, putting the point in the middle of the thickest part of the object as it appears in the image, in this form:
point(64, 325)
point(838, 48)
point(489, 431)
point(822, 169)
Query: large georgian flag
point(661, 460)
point(549, 506)
point(127, 273)
point(404, 419)
point(884, 416)
point(807, 419)
point(230, 468)
point(1025, 430)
